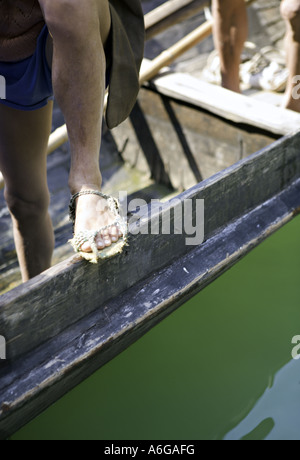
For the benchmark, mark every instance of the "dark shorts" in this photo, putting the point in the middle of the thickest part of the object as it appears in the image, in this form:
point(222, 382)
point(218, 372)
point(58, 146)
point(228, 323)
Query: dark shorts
point(28, 82)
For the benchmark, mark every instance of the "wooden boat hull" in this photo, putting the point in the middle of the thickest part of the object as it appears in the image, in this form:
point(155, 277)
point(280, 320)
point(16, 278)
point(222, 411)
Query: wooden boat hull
point(72, 319)
point(77, 317)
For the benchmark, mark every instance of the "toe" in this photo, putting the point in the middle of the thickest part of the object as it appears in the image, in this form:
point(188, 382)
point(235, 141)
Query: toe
point(107, 242)
point(86, 247)
point(100, 243)
point(106, 238)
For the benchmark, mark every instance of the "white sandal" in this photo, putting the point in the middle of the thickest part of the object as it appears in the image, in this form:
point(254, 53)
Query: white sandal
point(88, 236)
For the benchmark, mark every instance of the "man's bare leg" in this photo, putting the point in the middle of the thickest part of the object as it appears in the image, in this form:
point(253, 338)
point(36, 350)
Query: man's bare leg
point(23, 162)
point(230, 34)
point(79, 73)
point(290, 10)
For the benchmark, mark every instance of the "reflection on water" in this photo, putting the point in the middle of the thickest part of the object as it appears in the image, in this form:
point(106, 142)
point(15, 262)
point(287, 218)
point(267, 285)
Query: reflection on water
point(218, 368)
point(276, 415)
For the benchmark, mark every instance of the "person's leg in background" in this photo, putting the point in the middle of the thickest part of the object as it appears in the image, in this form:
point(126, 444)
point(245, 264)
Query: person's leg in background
point(230, 34)
point(23, 163)
point(290, 10)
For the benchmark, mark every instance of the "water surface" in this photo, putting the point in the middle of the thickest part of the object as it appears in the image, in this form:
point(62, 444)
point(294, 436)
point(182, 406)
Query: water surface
point(218, 368)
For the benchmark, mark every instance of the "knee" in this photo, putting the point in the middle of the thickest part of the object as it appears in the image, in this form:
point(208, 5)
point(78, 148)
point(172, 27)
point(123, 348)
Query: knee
point(67, 16)
point(290, 11)
point(24, 210)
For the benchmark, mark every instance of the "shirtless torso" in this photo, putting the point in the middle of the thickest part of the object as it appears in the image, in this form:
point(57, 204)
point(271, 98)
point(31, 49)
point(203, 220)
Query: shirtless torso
point(21, 22)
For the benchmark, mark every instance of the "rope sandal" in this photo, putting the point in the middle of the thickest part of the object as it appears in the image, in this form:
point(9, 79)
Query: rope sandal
point(88, 236)
point(266, 70)
point(263, 69)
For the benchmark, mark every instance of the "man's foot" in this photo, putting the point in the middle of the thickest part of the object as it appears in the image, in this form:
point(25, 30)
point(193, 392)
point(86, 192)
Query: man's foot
point(92, 214)
point(292, 104)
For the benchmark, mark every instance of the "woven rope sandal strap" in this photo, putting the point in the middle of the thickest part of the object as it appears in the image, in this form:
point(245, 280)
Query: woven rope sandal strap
point(113, 203)
point(87, 236)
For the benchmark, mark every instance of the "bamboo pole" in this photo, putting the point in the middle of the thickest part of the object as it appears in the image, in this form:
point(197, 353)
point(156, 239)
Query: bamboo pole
point(168, 56)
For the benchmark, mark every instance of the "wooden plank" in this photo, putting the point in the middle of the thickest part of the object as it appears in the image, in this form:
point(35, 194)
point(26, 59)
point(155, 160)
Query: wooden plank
point(234, 226)
point(231, 106)
point(170, 13)
point(61, 296)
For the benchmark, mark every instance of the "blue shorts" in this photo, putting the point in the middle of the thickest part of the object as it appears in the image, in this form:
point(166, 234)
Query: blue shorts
point(29, 82)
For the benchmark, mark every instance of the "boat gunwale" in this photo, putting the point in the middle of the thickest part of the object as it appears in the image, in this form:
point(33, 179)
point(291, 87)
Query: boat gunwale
point(66, 293)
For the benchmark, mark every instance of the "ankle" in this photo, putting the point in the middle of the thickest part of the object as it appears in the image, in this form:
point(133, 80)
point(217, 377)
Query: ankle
point(232, 83)
point(292, 104)
point(78, 184)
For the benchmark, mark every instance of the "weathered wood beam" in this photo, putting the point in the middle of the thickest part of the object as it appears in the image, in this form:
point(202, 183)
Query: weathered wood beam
point(231, 106)
point(171, 13)
point(168, 56)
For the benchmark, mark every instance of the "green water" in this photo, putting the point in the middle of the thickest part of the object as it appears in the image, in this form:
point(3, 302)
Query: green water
point(219, 368)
